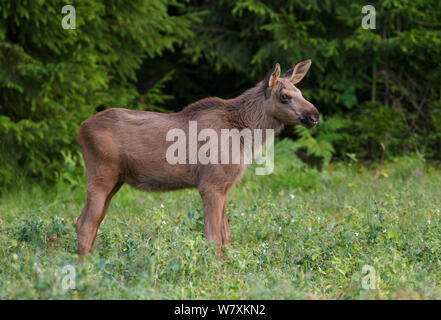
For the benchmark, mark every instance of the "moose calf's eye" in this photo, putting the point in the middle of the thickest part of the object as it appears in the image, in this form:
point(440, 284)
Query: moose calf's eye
point(284, 98)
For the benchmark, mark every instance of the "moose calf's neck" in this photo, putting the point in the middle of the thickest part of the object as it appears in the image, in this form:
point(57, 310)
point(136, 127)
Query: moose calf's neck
point(248, 111)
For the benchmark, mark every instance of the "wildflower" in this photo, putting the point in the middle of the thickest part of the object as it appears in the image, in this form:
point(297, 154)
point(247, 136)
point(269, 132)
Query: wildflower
point(292, 196)
point(37, 268)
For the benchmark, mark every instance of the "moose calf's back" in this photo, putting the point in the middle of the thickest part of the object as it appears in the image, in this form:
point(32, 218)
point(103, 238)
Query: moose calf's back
point(133, 144)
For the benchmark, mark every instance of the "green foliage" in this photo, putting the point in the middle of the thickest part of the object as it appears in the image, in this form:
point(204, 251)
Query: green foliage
point(385, 81)
point(297, 234)
point(289, 171)
point(51, 78)
point(154, 98)
point(319, 141)
point(382, 85)
point(379, 124)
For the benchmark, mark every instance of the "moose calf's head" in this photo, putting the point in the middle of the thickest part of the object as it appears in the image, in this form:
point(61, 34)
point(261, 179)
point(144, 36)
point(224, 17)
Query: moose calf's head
point(284, 101)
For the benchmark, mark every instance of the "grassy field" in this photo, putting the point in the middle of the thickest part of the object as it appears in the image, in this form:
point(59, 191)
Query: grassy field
point(297, 234)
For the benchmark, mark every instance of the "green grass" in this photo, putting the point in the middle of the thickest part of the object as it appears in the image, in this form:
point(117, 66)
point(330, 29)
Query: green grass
point(297, 234)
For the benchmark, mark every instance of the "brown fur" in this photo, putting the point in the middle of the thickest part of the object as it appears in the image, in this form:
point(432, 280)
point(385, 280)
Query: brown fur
point(124, 146)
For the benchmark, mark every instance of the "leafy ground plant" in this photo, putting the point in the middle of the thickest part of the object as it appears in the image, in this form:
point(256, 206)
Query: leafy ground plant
point(299, 233)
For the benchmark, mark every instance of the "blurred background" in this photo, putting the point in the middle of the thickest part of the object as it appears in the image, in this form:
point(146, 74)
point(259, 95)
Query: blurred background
point(378, 91)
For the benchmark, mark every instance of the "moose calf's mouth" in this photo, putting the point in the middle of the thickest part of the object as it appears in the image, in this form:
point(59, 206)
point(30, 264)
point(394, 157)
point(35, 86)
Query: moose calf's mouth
point(309, 121)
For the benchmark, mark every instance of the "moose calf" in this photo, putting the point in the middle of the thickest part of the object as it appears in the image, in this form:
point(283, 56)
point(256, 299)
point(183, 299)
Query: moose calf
point(121, 145)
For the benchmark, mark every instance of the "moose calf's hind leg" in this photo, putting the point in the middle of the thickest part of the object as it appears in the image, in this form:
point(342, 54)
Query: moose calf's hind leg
point(97, 203)
point(88, 222)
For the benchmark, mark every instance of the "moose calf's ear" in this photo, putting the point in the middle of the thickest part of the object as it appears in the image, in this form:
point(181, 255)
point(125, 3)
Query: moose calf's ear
point(271, 77)
point(298, 72)
point(274, 76)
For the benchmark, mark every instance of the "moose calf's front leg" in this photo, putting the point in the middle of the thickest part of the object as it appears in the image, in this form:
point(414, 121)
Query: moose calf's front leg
point(213, 202)
point(226, 233)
